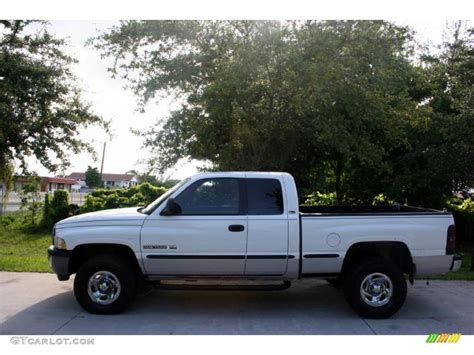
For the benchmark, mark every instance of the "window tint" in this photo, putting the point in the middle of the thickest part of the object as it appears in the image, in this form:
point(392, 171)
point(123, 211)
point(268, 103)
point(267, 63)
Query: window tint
point(210, 197)
point(264, 197)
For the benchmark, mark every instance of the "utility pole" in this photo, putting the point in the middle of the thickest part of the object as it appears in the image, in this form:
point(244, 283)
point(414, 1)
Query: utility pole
point(102, 163)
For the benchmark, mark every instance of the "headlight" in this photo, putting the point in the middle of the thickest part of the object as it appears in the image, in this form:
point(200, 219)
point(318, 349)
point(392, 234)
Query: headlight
point(59, 243)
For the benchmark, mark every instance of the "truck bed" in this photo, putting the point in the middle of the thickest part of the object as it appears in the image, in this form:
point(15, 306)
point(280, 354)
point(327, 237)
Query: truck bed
point(328, 232)
point(306, 210)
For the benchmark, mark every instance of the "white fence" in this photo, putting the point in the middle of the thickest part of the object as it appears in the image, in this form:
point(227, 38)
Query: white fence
point(14, 203)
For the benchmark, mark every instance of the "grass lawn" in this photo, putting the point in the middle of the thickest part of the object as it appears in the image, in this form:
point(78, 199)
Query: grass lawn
point(23, 250)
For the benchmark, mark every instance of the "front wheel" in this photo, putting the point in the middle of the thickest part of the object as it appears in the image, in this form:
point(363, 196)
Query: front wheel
point(376, 288)
point(105, 285)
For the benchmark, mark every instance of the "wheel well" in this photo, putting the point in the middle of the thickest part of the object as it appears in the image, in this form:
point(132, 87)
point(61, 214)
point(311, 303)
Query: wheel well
point(397, 252)
point(81, 253)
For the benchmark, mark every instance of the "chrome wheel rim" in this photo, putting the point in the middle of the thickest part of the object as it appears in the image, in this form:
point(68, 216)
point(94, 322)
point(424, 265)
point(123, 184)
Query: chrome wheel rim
point(376, 289)
point(103, 287)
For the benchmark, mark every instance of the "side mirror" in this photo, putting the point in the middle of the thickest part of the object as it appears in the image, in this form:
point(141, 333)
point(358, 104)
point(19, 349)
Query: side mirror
point(171, 209)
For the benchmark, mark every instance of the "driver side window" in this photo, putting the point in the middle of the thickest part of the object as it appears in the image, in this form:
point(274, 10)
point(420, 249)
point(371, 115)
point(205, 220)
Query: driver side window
point(216, 196)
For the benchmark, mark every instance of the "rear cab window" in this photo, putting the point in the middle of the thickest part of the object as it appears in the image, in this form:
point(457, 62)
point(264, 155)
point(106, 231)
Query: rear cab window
point(264, 197)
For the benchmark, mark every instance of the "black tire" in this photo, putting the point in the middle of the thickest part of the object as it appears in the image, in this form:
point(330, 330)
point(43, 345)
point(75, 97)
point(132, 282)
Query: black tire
point(355, 278)
point(121, 269)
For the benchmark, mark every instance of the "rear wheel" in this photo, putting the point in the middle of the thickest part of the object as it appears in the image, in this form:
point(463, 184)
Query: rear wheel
point(105, 285)
point(375, 288)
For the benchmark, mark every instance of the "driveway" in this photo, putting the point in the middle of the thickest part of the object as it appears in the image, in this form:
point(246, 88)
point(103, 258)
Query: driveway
point(35, 303)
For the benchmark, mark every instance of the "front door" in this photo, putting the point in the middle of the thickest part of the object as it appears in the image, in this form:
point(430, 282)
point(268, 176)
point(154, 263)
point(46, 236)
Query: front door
point(208, 237)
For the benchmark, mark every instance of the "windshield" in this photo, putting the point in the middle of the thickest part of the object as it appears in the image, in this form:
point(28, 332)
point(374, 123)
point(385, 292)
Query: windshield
point(152, 206)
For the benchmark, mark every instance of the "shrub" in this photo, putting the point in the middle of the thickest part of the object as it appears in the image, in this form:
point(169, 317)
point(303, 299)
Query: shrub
point(74, 209)
point(147, 192)
point(59, 207)
point(7, 220)
point(460, 205)
point(92, 203)
point(319, 199)
point(463, 213)
point(138, 195)
point(20, 221)
point(382, 200)
point(47, 219)
point(115, 201)
point(30, 197)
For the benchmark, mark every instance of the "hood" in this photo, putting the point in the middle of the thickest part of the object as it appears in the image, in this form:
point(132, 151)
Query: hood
point(129, 215)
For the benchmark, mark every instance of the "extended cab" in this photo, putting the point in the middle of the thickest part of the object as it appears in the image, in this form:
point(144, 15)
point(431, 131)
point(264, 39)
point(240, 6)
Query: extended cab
point(249, 226)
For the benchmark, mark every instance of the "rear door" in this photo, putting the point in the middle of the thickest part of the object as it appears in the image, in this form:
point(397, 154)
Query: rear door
point(208, 237)
point(267, 247)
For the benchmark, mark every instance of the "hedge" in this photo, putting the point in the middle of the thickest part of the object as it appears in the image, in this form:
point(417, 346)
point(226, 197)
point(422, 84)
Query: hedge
point(138, 195)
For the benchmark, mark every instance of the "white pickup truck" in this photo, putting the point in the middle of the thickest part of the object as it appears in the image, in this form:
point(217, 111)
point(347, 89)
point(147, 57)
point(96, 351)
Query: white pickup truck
point(248, 226)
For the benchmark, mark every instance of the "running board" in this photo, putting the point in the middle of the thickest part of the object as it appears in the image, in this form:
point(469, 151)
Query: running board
point(170, 285)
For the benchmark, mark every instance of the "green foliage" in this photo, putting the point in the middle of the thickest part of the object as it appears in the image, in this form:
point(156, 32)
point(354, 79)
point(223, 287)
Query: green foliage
point(92, 204)
point(93, 179)
point(463, 213)
point(59, 205)
point(46, 218)
point(461, 205)
point(138, 195)
point(382, 200)
point(155, 182)
point(440, 156)
point(74, 209)
point(30, 197)
point(56, 209)
point(341, 105)
point(21, 221)
point(319, 199)
point(41, 111)
point(22, 245)
point(6, 221)
point(153, 179)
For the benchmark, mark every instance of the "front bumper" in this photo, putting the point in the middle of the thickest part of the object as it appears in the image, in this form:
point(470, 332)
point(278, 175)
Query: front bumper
point(457, 262)
point(59, 262)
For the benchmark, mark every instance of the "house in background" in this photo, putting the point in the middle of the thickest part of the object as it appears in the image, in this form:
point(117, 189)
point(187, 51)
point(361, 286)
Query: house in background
point(109, 180)
point(48, 184)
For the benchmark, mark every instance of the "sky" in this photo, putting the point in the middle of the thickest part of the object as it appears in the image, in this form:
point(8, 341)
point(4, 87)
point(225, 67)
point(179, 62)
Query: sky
point(110, 99)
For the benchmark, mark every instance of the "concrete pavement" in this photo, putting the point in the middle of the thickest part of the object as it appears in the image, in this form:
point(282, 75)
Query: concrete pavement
point(33, 303)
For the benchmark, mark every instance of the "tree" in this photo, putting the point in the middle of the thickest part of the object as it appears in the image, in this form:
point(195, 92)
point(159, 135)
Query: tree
point(440, 156)
point(41, 111)
point(93, 178)
point(153, 179)
point(343, 105)
point(319, 99)
point(30, 197)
